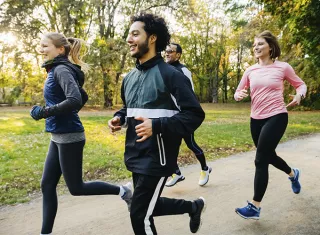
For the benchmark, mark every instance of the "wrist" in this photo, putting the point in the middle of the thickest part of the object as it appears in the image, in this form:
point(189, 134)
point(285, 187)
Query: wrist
point(156, 125)
point(122, 120)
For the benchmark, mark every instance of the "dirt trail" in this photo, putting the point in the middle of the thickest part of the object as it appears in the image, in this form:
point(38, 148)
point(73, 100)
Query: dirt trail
point(231, 184)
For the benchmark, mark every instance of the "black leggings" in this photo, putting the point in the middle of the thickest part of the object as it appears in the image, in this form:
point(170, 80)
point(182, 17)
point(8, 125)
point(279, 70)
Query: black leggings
point(266, 135)
point(66, 159)
point(192, 145)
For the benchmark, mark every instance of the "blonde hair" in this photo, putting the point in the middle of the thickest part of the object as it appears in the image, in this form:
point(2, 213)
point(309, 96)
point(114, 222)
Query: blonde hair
point(75, 48)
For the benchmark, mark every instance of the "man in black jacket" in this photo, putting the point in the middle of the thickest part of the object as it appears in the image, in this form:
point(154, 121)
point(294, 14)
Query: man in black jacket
point(159, 107)
point(173, 55)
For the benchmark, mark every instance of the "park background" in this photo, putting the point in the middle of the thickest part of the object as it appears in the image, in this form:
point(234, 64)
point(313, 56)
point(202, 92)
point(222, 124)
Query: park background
point(216, 37)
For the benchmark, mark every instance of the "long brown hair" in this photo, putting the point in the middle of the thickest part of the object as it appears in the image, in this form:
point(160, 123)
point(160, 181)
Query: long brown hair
point(73, 48)
point(272, 40)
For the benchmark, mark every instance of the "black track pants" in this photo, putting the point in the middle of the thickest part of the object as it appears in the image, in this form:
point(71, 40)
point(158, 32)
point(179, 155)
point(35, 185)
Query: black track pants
point(147, 203)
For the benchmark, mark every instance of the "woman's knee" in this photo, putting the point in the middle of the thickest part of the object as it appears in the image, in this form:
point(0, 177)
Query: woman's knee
point(260, 164)
point(261, 160)
point(47, 186)
point(75, 190)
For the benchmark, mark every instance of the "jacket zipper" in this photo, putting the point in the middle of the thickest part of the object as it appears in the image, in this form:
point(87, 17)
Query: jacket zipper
point(162, 152)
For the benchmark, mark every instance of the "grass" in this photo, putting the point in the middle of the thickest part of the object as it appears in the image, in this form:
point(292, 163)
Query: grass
point(23, 145)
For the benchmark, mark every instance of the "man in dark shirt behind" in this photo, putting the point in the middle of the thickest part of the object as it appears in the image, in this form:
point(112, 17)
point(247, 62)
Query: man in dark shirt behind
point(173, 55)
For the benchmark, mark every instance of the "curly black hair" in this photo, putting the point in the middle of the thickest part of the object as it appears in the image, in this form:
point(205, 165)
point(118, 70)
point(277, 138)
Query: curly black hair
point(154, 25)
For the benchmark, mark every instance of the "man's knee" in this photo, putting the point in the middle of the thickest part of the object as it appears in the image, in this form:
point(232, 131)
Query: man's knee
point(137, 221)
point(136, 217)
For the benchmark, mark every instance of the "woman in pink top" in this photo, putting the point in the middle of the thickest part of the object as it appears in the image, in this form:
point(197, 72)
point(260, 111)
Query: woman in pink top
point(269, 116)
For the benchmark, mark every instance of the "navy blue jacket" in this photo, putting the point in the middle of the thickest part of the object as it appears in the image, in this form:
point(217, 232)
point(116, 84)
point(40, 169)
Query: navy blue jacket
point(61, 93)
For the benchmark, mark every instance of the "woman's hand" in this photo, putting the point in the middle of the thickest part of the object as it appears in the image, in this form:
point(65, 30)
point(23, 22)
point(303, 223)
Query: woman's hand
point(242, 93)
point(37, 112)
point(296, 100)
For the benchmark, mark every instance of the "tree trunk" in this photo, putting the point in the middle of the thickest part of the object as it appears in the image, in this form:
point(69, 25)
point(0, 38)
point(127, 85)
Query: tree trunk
point(215, 97)
point(239, 62)
point(122, 64)
point(200, 89)
point(225, 88)
point(107, 93)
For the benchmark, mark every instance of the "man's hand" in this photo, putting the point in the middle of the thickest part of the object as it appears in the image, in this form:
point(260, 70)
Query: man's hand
point(114, 124)
point(296, 100)
point(144, 129)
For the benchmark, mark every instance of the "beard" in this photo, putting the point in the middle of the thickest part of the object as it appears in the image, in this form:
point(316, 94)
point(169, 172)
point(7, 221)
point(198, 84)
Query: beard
point(143, 48)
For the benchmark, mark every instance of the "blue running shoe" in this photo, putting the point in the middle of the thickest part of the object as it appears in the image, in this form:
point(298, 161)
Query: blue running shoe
point(249, 212)
point(295, 185)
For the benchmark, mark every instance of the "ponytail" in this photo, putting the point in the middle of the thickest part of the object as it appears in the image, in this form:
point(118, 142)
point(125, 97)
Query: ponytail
point(74, 48)
point(77, 51)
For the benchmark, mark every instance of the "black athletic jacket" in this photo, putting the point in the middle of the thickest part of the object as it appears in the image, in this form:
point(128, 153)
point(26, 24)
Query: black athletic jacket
point(156, 90)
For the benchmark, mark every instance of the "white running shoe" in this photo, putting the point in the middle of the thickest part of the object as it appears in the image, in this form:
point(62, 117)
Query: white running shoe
point(174, 179)
point(127, 197)
point(204, 176)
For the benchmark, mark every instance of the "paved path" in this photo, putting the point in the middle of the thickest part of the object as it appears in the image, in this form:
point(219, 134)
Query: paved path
point(230, 186)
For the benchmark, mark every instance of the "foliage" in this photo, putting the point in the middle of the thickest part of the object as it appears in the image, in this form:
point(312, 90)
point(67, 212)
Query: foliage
point(298, 22)
point(205, 48)
point(216, 37)
point(301, 17)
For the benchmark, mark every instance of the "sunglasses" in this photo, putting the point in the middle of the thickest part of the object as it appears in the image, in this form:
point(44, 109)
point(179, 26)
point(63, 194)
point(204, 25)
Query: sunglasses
point(169, 51)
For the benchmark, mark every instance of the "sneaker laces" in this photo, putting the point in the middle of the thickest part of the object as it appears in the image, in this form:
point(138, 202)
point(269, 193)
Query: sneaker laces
point(250, 206)
point(203, 174)
point(293, 178)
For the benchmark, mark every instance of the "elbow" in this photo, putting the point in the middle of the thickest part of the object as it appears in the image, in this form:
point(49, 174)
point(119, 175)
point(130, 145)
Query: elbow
point(76, 104)
point(200, 117)
point(79, 106)
point(203, 115)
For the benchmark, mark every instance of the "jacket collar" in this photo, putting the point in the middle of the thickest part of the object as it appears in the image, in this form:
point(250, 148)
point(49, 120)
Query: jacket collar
point(176, 63)
point(61, 59)
point(149, 63)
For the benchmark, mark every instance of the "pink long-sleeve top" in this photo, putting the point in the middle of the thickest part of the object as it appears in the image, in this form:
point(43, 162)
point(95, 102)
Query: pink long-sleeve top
point(266, 88)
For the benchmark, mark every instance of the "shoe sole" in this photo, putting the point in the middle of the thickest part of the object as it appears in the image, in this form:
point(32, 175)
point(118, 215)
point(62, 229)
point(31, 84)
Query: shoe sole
point(253, 218)
point(179, 180)
point(208, 178)
point(202, 211)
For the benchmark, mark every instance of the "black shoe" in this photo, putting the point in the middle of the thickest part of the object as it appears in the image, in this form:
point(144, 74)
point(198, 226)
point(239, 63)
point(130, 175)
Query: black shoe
point(195, 218)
